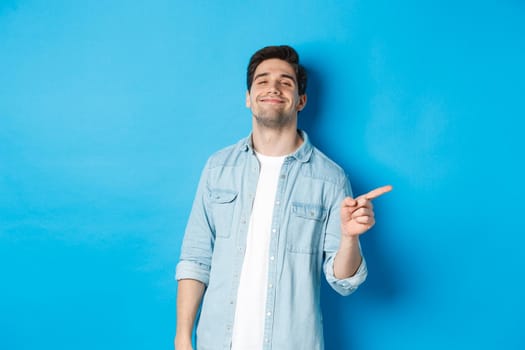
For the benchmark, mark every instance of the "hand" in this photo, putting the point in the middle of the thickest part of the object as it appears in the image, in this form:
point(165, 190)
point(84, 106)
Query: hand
point(357, 215)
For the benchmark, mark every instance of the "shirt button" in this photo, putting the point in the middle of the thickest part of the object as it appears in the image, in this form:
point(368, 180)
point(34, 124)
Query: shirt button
point(271, 257)
point(270, 285)
point(274, 230)
point(268, 314)
point(277, 203)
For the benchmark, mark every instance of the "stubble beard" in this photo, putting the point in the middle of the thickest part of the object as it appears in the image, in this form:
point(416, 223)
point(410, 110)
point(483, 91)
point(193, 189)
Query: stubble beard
point(272, 119)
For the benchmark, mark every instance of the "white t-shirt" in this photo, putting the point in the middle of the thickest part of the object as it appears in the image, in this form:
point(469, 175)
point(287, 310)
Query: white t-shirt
point(248, 328)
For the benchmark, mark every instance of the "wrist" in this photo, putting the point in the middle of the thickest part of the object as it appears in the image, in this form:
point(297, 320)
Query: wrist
point(349, 241)
point(183, 345)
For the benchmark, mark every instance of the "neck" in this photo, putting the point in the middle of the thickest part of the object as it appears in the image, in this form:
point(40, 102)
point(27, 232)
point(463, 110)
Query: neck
point(276, 142)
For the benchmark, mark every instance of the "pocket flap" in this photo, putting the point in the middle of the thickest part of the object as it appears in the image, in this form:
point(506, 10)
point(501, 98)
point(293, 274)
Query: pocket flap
point(222, 196)
point(309, 211)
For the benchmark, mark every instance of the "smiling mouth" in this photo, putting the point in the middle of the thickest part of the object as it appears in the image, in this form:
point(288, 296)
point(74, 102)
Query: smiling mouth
point(272, 100)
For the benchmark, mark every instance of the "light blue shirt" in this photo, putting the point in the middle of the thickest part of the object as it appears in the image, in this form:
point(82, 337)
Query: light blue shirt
point(305, 237)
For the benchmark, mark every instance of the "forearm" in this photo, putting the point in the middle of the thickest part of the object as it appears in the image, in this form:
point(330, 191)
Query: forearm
point(348, 257)
point(189, 296)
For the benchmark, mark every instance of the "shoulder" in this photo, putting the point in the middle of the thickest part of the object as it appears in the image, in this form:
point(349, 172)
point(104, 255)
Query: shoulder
point(324, 168)
point(227, 156)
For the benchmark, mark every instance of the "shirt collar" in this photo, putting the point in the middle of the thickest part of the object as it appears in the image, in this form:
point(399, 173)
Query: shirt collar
point(302, 154)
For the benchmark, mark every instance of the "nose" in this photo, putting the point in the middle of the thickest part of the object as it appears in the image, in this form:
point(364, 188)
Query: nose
point(274, 89)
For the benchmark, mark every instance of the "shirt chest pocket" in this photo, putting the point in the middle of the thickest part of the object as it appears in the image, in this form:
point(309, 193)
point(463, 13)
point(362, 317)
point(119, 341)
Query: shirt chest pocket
point(222, 204)
point(305, 229)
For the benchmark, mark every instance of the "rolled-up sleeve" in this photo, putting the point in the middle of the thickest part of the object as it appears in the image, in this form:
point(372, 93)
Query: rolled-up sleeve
point(345, 286)
point(199, 238)
point(192, 270)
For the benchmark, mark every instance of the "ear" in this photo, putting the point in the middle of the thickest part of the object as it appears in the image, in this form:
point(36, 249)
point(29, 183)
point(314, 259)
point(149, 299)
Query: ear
point(248, 103)
point(302, 102)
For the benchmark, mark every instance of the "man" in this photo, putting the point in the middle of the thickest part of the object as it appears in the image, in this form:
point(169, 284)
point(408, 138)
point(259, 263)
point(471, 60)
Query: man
point(270, 214)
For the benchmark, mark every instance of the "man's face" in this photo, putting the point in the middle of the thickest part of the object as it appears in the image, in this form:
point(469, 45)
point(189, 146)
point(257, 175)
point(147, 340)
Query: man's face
point(274, 96)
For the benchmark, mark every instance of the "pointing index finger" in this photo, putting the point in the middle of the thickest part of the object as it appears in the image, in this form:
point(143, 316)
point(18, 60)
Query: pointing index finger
point(378, 192)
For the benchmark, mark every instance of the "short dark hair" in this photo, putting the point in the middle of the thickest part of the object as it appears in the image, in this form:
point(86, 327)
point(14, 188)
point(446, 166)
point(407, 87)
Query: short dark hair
point(282, 52)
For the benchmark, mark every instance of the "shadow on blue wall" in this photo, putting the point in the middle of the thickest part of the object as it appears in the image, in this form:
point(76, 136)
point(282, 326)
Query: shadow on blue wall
point(8, 6)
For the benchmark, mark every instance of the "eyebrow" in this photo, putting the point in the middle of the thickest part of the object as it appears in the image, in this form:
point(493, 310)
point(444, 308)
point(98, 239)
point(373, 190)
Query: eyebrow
point(284, 75)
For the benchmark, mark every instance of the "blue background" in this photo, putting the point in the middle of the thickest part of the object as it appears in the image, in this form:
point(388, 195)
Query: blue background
point(109, 110)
